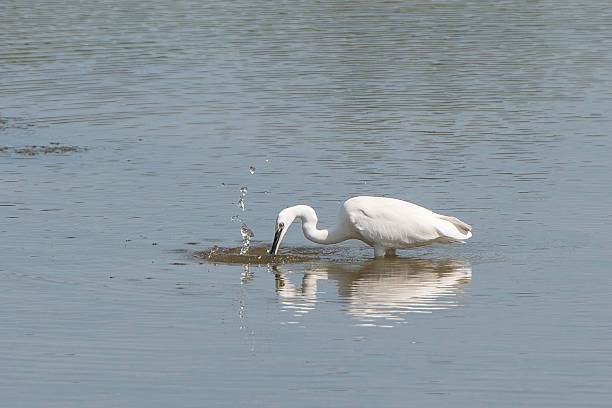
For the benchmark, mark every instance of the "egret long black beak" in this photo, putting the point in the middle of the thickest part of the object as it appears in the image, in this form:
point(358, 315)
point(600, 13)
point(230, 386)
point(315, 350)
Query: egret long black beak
point(276, 242)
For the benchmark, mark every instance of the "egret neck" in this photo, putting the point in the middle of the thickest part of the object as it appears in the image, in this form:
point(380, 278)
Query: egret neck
point(309, 226)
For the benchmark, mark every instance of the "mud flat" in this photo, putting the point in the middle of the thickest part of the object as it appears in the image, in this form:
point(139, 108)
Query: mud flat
point(256, 256)
point(36, 150)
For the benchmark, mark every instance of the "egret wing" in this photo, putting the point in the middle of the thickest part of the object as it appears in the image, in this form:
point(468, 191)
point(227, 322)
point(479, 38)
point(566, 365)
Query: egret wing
point(392, 223)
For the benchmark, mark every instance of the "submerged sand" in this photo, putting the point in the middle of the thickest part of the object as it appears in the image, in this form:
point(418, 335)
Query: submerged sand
point(257, 256)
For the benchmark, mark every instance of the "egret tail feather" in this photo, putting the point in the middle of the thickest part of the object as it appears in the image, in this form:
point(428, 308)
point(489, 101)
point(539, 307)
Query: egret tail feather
point(460, 225)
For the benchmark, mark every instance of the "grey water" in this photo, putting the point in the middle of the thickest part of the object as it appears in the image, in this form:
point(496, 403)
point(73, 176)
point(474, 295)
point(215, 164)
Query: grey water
point(498, 113)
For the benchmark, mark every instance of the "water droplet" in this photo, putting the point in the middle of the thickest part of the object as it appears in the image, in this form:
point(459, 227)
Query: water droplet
point(247, 234)
point(243, 193)
point(240, 203)
point(252, 170)
point(267, 160)
point(236, 218)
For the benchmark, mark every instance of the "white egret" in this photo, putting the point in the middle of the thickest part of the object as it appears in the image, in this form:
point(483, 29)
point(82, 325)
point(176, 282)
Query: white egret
point(386, 224)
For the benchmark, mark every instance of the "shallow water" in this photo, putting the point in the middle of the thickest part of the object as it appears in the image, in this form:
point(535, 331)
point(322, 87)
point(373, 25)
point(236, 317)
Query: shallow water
point(499, 114)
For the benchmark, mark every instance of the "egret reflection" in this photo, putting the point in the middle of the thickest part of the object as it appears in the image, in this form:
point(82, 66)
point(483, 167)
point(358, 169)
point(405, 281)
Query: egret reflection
point(378, 290)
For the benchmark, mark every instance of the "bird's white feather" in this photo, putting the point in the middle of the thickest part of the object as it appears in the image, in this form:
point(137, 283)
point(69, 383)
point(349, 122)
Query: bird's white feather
point(393, 223)
point(381, 222)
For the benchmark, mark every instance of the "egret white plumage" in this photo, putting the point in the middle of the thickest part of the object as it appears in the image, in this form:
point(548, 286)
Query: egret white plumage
point(386, 224)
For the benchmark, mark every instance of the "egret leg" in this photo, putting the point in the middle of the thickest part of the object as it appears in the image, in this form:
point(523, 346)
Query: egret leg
point(379, 251)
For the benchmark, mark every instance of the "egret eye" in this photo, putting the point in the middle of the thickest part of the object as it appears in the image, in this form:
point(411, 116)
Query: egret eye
point(281, 225)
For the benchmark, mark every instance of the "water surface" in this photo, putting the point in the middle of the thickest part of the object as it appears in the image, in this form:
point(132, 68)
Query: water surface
point(498, 114)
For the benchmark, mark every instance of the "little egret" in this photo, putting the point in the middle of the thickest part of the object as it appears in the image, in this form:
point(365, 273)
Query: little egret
point(386, 224)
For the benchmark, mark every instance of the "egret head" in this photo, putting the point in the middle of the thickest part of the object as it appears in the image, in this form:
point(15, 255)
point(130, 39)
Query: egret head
point(283, 221)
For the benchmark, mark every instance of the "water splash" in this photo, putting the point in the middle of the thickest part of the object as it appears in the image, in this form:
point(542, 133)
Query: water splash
point(252, 170)
point(247, 234)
